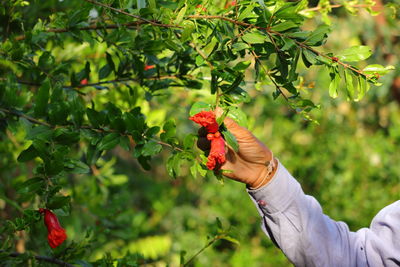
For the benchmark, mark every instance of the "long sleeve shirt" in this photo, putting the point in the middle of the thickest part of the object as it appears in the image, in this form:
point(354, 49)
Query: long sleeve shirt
point(296, 224)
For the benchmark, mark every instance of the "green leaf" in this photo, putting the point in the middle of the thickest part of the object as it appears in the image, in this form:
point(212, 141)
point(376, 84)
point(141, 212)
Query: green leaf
point(292, 76)
point(362, 87)
point(376, 68)
point(202, 170)
point(188, 28)
point(242, 66)
point(238, 116)
point(301, 36)
point(105, 71)
point(324, 60)
point(289, 43)
point(110, 62)
point(108, 142)
point(334, 84)
point(152, 131)
point(193, 169)
point(238, 95)
point(58, 202)
point(181, 14)
point(231, 239)
point(141, 4)
point(239, 46)
point(169, 131)
point(198, 107)
point(66, 136)
point(189, 141)
point(42, 98)
point(134, 122)
point(246, 12)
point(318, 36)
point(151, 148)
point(355, 53)
point(349, 84)
point(40, 132)
point(173, 165)
point(46, 61)
point(286, 25)
point(96, 118)
point(28, 154)
point(309, 58)
point(210, 47)
point(231, 140)
point(30, 186)
point(254, 38)
point(76, 166)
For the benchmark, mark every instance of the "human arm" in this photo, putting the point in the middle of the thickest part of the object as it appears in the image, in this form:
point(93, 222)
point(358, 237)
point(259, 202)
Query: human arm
point(296, 223)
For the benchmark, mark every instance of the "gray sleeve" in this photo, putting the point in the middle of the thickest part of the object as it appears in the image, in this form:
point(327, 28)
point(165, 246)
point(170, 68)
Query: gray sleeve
point(296, 224)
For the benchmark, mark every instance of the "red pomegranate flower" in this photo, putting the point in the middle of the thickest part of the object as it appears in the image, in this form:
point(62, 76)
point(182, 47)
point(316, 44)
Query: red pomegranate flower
point(217, 151)
point(207, 120)
point(149, 67)
point(55, 233)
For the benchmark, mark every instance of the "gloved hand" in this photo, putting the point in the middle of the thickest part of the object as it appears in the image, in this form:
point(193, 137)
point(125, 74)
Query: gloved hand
point(248, 165)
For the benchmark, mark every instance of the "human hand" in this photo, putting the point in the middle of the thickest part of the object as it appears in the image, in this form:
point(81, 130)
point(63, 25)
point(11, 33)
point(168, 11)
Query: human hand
point(248, 165)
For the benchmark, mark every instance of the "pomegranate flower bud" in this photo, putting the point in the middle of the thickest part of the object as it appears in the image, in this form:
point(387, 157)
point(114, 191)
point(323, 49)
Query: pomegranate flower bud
point(149, 67)
point(55, 233)
point(84, 81)
point(207, 120)
point(217, 152)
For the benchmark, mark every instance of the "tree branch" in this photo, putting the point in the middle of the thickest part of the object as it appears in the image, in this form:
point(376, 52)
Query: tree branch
point(41, 258)
point(22, 115)
point(269, 31)
point(122, 80)
point(87, 127)
point(269, 75)
point(132, 15)
point(88, 28)
point(209, 243)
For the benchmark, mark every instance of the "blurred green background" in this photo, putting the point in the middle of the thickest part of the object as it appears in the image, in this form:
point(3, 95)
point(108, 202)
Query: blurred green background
point(349, 162)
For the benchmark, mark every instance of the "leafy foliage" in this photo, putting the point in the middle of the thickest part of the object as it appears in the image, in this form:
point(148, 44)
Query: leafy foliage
point(81, 87)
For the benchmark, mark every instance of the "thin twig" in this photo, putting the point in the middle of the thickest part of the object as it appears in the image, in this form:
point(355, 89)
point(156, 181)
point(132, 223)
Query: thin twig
point(269, 75)
point(201, 53)
point(22, 115)
point(88, 28)
point(87, 127)
point(41, 258)
point(236, 22)
point(269, 31)
point(167, 145)
point(132, 15)
point(326, 56)
point(209, 243)
point(122, 80)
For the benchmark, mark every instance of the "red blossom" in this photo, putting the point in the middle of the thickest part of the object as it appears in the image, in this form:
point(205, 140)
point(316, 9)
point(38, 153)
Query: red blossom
point(149, 67)
point(55, 233)
point(207, 120)
point(217, 152)
point(84, 81)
